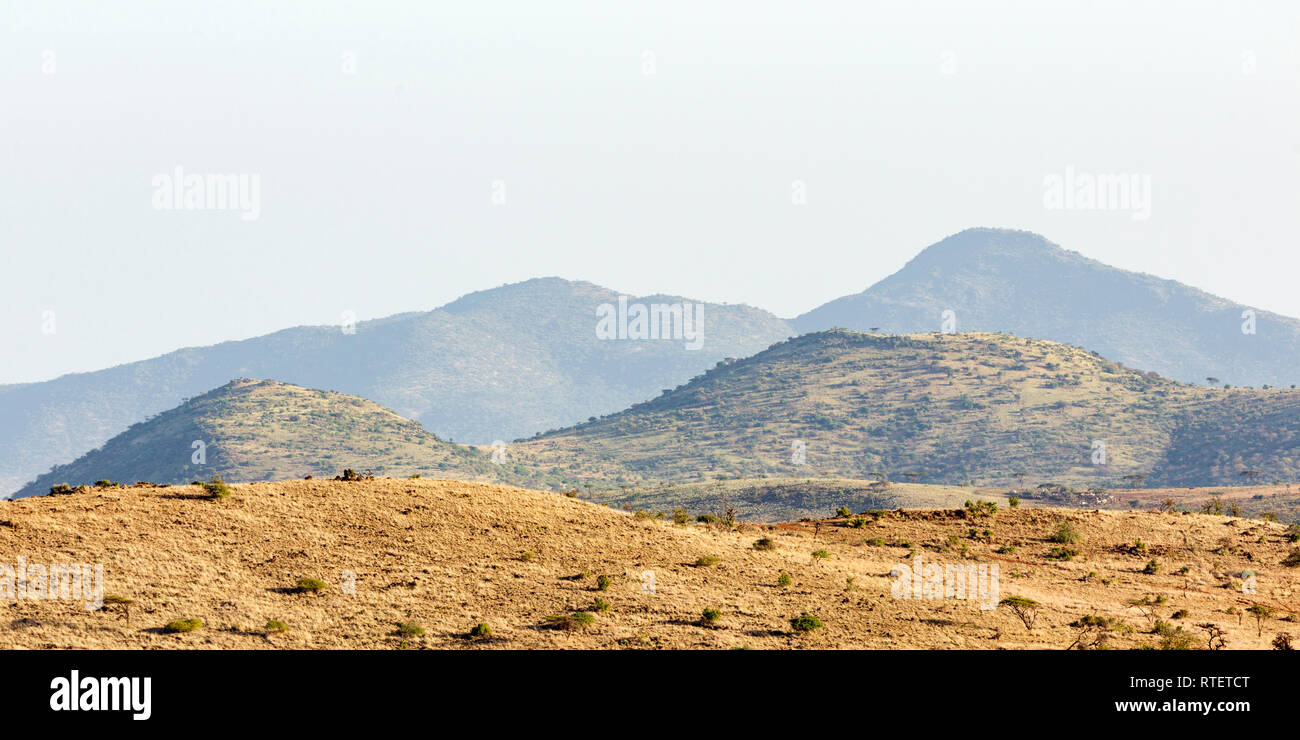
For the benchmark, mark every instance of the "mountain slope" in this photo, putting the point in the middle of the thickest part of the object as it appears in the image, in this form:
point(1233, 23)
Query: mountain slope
point(952, 408)
point(497, 364)
point(262, 430)
point(1018, 282)
point(446, 556)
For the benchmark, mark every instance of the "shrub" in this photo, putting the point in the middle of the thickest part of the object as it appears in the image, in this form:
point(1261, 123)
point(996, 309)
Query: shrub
point(710, 616)
point(1180, 614)
point(1013, 501)
point(706, 519)
point(805, 623)
point(1061, 553)
point(481, 630)
point(821, 555)
point(603, 582)
point(784, 579)
point(1007, 550)
point(314, 585)
point(876, 542)
point(765, 543)
point(60, 488)
point(1292, 559)
point(1176, 639)
point(857, 522)
point(275, 625)
point(705, 561)
point(184, 625)
point(1066, 534)
point(1152, 567)
point(842, 512)
point(680, 516)
point(526, 556)
point(409, 629)
point(600, 605)
point(574, 621)
point(216, 488)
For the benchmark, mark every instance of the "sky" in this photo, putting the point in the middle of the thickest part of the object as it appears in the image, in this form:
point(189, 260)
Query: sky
point(775, 154)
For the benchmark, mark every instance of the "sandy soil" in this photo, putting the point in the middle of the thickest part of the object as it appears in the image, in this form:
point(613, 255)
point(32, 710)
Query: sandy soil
point(447, 555)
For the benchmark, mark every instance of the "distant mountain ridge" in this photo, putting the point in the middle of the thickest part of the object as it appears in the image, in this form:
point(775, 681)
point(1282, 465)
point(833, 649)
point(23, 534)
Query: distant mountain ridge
point(1019, 282)
point(514, 361)
point(495, 364)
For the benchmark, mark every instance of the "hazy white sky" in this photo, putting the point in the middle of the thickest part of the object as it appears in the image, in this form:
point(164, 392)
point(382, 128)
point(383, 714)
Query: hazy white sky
point(647, 147)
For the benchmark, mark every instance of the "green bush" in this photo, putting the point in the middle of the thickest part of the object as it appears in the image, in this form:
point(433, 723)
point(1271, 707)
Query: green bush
point(314, 585)
point(821, 555)
point(706, 560)
point(216, 488)
point(603, 582)
point(184, 625)
point(784, 579)
point(481, 630)
point(842, 512)
point(765, 543)
point(574, 621)
point(805, 623)
point(409, 629)
point(1066, 534)
point(275, 625)
point(600, 605)
point(1062, 553)
point(1152, 567)
point(711, 616)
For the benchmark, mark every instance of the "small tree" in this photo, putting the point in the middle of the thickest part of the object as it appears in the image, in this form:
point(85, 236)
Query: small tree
point(1260, 612)
point(1217, 639)
point(1025, 609)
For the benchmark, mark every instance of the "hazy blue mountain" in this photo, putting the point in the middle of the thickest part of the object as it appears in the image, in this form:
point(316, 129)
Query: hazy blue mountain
point(1018, 282)
point(496, 364)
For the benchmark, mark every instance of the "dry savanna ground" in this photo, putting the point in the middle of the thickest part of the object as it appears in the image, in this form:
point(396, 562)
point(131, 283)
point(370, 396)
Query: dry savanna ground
point(442, 556)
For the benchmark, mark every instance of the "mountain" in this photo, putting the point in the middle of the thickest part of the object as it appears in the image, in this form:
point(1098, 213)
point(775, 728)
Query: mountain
point(441, 557)
point(949, 408)
point(1014, 281)
point(253, 430)
point(493, 365)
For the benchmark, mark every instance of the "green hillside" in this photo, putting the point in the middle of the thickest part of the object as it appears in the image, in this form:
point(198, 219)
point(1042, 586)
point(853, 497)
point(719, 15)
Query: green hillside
point(254, 430)
point(965, 408)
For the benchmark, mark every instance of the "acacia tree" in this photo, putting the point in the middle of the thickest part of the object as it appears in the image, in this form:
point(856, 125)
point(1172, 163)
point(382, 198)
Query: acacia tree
point(1260, 612)
point(1025, 609)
